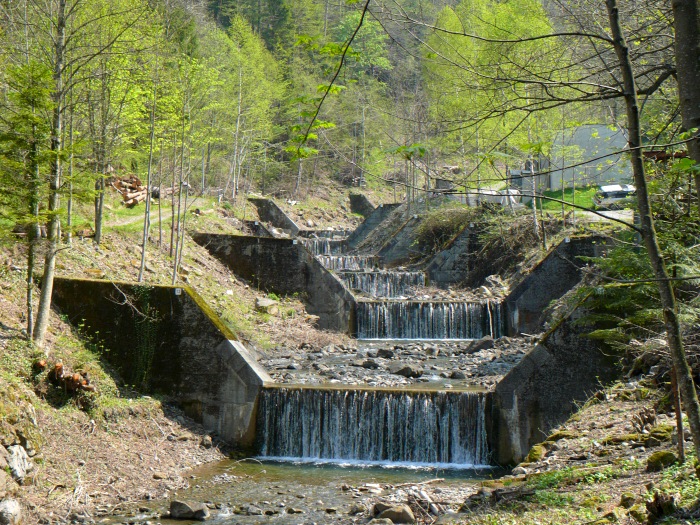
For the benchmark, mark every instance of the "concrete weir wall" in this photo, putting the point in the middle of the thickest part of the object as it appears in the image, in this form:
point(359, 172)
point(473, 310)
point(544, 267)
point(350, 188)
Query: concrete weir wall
point(558, 273)
point(167, 341)
point(268, 211)
point(285, 266)
point(564, 369)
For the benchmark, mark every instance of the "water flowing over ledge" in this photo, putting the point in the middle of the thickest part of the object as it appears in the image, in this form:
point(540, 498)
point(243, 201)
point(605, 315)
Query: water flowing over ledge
point(429, 320)
point(373, 427)
point(383, 283)
point(349, 262)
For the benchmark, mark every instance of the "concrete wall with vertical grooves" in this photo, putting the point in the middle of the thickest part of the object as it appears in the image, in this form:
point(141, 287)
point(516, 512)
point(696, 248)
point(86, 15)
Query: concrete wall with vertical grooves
point(179, 348)
point(285, 266)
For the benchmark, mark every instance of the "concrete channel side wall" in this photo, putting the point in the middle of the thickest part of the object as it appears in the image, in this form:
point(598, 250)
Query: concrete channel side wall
point(543, 390)
point(285, 266)
point(269, 211)
point(181, 349)
point(378, 216)
point(359, 203)
point(558, 273)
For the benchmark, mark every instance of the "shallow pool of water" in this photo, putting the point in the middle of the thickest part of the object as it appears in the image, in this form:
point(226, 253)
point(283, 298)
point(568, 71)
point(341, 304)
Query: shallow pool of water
point(315, 493)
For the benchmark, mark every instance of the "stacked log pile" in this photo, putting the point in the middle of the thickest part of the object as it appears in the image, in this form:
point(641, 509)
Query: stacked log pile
point(131, 189)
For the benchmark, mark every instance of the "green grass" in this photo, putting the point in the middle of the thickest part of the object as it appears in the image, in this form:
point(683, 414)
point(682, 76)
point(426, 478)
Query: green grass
point(582, 197)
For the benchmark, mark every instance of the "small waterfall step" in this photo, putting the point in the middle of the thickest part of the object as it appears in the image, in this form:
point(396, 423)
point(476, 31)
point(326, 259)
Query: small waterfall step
point(349, 262)
point(324, 246)
point(382, 283)
point(429, 320)
point(373, 426)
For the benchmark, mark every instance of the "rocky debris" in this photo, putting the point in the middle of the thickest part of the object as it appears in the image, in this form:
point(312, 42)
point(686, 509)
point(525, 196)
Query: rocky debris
point(660, 460)
point(19, 463)
point(188, 510)
point(444, 364)
point(10, 512)
point(8, 487)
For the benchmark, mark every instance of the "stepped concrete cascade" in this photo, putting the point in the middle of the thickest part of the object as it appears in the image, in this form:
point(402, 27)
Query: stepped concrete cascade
point(373, 221)
point(340, 263)
point(445, 429)
point(383, 283)
point(429, 320)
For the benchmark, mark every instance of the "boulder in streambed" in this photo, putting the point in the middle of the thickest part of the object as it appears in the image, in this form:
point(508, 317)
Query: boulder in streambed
point(188, 510)
point(410, 371)
point(398, 514)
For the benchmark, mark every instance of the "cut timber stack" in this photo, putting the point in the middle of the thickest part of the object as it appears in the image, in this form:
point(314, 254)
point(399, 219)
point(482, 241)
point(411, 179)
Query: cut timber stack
point(131, 188)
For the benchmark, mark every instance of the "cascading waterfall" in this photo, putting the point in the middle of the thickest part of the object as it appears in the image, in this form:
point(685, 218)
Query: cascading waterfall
point(383, 283)
point(429, 320)
point(348, 262)
point(430, 428)
point(324, 246)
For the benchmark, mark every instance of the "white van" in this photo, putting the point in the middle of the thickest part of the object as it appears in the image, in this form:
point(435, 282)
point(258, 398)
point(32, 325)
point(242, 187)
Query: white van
point(614, 197)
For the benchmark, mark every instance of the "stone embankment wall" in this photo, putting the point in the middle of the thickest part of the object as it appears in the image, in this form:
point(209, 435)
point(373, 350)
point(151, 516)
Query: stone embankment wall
point(453, 264)
point(558, 273)
point(269, 212)
point(377, 217)
point(285, 266)
point(564, 369)
point(166, 340)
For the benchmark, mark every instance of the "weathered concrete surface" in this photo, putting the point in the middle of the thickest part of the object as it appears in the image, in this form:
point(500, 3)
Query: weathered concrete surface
point(453, 264)
point(558, 273)
point(359, 203)
point(285, 266)
point(256, 228)
point(401, 246)
point(381, 213)
point(270, 212)
point(166, 340)
point(564, 369)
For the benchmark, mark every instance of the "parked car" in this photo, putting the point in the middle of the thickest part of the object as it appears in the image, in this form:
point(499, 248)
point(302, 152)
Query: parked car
point(614, 197)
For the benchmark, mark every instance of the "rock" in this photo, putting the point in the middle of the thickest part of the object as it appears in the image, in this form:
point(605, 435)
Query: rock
point(458, 374)
point(265, 305)
point(519, 471)
point(188, 510)
point(562, 434)
point(660, 460)
point(4, 456)
point(385, 353)
point(380, 507)
point(410, 371)
point(252, 510)
point(292, 510)
point(10, 512)
point(399, 514)
point(160, 475)
point(19, 462)
point(357, 508)
point(380, 521)
point(537, 452)
point(370, 364)
point(310, 224)
point(206, 442)
point(485, 343)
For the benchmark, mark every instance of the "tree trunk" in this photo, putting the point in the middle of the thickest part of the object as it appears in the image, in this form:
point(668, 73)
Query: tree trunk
point(147, 212)
point(648, 230)
point(686, 14)
point(53, 230)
